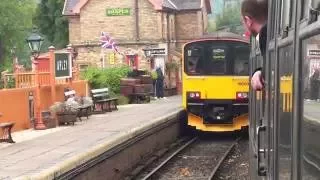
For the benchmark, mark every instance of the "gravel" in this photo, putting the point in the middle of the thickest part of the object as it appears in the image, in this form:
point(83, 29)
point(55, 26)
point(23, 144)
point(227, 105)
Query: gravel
point(236, 165)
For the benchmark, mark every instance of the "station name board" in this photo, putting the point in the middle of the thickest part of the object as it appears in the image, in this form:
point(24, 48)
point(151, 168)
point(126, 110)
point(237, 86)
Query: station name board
point(158, 51)
point(314, 52)
point(63, 65)
point(118, 12)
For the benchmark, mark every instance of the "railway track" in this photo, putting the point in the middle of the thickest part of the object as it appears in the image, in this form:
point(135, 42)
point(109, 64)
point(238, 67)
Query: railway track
point(197, 158)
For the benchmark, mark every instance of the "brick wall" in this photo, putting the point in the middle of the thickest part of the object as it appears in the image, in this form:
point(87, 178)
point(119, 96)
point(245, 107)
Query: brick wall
point(93, 20)
point(74, 30)
point(93, 56)
point(149, 21)
point(154, 26)
point(187, 25)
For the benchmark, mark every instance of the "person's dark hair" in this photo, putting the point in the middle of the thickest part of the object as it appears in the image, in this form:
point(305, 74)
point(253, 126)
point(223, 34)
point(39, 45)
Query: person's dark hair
point(255, 9)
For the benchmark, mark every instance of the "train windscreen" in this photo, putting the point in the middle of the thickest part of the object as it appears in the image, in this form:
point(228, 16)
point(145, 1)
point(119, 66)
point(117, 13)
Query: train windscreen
point(217, 58)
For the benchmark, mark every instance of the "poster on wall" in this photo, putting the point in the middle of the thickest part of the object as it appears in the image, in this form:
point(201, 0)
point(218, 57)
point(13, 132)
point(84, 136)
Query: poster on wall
point(112, 58)
point(63, 65)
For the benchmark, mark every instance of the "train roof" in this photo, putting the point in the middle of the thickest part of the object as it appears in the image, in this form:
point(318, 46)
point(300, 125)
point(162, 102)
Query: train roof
point(221, 36)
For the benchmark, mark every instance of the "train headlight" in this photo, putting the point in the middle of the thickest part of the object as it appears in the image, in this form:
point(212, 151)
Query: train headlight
point(242, 95)
point(194, 95)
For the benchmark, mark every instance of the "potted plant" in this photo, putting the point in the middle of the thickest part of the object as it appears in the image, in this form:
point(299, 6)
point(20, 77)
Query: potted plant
point(48, 119)
point(65, 112)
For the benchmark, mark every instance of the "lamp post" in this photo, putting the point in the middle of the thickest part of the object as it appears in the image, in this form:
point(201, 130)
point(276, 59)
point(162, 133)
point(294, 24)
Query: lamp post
point(147, 53)
point(35, 41)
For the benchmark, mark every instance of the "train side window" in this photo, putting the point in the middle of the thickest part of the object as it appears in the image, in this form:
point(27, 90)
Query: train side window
point(272, 16)
point(285, 112)
point(285, 16)
point(292, 12)
point(314, 10)
point(311, 111)
point(304, 9)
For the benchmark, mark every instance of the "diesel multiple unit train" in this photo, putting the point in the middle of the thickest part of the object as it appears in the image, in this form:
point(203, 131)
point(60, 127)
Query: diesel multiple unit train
point(215, 82)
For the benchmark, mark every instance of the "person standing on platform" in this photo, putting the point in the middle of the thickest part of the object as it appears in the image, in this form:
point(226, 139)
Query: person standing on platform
point(159, 83)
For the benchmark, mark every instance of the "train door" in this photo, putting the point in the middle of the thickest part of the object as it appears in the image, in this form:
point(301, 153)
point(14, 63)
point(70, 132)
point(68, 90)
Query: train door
point(283, 120)
point(255, 113)
point(257, 129)
point(263, 106)
point(306, 125)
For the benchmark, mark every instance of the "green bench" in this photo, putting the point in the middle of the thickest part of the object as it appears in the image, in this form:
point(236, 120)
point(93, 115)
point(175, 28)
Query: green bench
point(102, 99)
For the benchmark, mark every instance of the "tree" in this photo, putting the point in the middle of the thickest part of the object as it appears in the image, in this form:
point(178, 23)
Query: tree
point(212, 25)
point(51, 23)
point(15, 24)
point(230, 19)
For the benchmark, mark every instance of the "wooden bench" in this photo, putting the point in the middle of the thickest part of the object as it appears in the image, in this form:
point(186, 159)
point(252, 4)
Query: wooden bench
point(101, 98)
point(6, 132)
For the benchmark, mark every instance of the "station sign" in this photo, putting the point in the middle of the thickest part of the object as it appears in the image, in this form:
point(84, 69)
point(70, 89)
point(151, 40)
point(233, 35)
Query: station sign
point(158, 51)
point(118, 12)
point(63, 65)
point(314, 52)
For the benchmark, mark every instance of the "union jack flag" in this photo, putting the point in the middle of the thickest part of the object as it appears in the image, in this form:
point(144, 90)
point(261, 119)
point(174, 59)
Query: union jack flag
point(107, 42)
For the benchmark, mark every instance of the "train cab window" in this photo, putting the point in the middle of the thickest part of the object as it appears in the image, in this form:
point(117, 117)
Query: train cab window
point(217, 65)
point(217, 58)
point(194, 60)
point(241, 61)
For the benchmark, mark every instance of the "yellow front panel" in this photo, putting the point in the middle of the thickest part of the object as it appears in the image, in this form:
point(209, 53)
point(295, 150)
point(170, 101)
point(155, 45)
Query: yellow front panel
point(238, 123)
point(215, 87)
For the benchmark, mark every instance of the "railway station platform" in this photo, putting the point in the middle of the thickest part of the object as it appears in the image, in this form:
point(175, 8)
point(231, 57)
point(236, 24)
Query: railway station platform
point(312, 112)
point(55, 152)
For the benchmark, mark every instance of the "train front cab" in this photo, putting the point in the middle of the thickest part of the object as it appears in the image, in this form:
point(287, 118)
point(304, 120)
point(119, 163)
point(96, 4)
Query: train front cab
point(216, 101)
point(285, 118)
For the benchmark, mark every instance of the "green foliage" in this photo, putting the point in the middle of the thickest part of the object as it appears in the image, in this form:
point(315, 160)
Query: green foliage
point(230, 19)
point(171, 66)
point(154, 75)
point(10, 84)
point(122, 100)
point(211, 25)
point(110, 77)
point(15, 24)
point(51, 23)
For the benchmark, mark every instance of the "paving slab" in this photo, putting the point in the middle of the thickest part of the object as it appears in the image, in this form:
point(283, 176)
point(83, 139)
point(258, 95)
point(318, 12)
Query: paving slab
point(43, 155)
